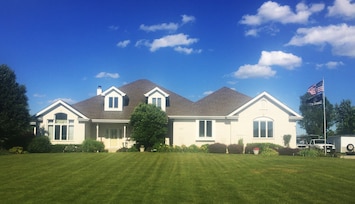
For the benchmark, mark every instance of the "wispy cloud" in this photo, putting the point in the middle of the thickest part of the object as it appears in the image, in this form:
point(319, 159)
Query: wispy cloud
point(330, 65)
point(342, 8)
point(272, 12)
point(163, 26)
point(340, 37)
point(123, 44)
point(264, 67)
point(107, 75)
point(37, 95)
point(171, 27)
point(113, 27)
point(172, 41)
point(207, 93)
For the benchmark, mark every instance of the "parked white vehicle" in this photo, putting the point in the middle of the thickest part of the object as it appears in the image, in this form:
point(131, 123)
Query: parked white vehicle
point(320, 144)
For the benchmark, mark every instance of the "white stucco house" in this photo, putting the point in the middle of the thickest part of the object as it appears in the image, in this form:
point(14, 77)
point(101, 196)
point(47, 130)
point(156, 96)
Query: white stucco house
point(224, 116)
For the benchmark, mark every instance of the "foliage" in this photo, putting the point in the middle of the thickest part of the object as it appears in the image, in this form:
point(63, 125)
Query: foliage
point(262, 146)
point(40, 144)
point(217, 148)
point(287, 139)
point(125, 149)
point(90, 145)
point(311, 152)
point(267, 151)
point(191, 149)
point(241, 142)
point(235, 149)
point(16, 150)
point(288, 151)
point(313, 121)
point(149, 125)
point(14, 114)
point(345, 117)
point(21, 140)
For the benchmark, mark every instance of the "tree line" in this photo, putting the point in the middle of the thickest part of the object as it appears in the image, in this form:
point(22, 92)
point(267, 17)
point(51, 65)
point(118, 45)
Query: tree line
point(340, 118)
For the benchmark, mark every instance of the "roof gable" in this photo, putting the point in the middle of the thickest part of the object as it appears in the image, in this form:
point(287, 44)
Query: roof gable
point(156, 89)
point(113, 89)
point(264, 94)
point(60, 103)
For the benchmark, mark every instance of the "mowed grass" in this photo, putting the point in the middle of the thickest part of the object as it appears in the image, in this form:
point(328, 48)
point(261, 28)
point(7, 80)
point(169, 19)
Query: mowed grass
point(174, 178)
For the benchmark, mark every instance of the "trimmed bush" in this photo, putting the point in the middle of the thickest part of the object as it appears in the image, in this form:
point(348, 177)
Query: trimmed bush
point(90, 145)
point(217, 148)
point(40, 144)
point(288, 151)
point(267, 151)
point(235, 149)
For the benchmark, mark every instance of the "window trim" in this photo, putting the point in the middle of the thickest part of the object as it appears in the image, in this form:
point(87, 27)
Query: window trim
point(58, 126)
point(206, 129)
point(263, 130)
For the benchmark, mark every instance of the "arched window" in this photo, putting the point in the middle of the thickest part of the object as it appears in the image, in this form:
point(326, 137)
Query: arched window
point(263, 128)
point(61, 128)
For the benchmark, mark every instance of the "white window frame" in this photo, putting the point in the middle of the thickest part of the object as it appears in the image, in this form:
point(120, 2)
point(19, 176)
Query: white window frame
point(266, 121)
point(57, 126)
point(205, 137)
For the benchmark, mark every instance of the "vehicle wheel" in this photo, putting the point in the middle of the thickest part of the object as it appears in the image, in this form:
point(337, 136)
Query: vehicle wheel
point(350, 147)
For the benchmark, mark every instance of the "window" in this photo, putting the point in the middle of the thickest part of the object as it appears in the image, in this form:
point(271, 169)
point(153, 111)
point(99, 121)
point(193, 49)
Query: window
point(113, 102)
point(205, 129)
point(156, 102)
point(61, 128)
point(263, 128)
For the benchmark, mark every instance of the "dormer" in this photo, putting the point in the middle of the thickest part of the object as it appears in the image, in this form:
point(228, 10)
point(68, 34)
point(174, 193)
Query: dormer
point(157, 97)
point(114, 99)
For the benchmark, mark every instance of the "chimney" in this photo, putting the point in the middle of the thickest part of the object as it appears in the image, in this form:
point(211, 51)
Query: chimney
point(99, 90)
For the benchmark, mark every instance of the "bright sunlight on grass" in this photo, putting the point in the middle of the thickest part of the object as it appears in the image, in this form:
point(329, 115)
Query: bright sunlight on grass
point(174, 178)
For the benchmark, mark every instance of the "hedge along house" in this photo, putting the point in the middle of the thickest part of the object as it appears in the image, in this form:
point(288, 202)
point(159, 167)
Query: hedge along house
point(224, 116)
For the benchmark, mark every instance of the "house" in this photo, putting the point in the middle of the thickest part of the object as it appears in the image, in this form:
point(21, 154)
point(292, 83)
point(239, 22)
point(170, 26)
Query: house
point(225, 116)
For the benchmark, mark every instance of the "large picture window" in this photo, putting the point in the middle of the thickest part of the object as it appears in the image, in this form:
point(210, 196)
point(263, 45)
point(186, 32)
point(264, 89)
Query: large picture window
point(61, 128)
point(263, 128)
point(205, 129)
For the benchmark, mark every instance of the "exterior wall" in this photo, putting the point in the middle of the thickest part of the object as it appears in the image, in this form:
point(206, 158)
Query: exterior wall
point(184, 132)
point(265, 108)
point(79, 127)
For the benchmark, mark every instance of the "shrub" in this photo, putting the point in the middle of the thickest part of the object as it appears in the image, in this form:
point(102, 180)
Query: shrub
point(262, 146)
point(287, 139)
point(40, 144)
point(288, 151)
point(72, 148)
point(267, 151)
point(57, 148)
point(217, 148)
point(235, 149)
point(16, 150)
point(90, 145)
point(204, 148)
point(310, 152)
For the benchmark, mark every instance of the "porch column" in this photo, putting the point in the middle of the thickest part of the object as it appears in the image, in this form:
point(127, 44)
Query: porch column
point(97, 131)
point(124, 136)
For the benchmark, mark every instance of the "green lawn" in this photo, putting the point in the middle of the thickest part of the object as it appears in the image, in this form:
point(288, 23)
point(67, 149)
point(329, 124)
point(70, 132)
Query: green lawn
point(174, 178)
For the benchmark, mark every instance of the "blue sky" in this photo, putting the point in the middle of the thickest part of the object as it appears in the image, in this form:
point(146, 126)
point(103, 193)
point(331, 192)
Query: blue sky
point(64, 49)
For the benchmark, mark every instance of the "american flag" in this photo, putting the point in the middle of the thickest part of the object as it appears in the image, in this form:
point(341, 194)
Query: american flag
point(316, 88)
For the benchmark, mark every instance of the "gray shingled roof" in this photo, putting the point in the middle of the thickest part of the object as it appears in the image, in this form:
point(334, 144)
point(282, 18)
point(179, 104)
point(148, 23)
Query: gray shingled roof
point(220, 103)
point(94, 107)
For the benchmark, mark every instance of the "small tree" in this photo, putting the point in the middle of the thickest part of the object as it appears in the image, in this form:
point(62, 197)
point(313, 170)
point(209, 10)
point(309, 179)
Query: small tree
point(149, 125)
point(287, 139)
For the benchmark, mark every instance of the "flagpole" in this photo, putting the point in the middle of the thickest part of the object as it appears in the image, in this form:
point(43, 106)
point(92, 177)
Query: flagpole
point(324, 121)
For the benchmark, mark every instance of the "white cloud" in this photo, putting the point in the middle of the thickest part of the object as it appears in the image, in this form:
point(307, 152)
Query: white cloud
point(183, 50)
point(107, 75)
point(264, 67)
point(113, 27)
point(331, 65)
point(186, 19)
point(36, 95)
point(342, 8)
point(273, 12)
point(67, 100)
point(254, 71)
point(207, 93)
point(279, 58)
point(163, 26)
point(172, 41)
point(340, 37)
point(123, 44)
